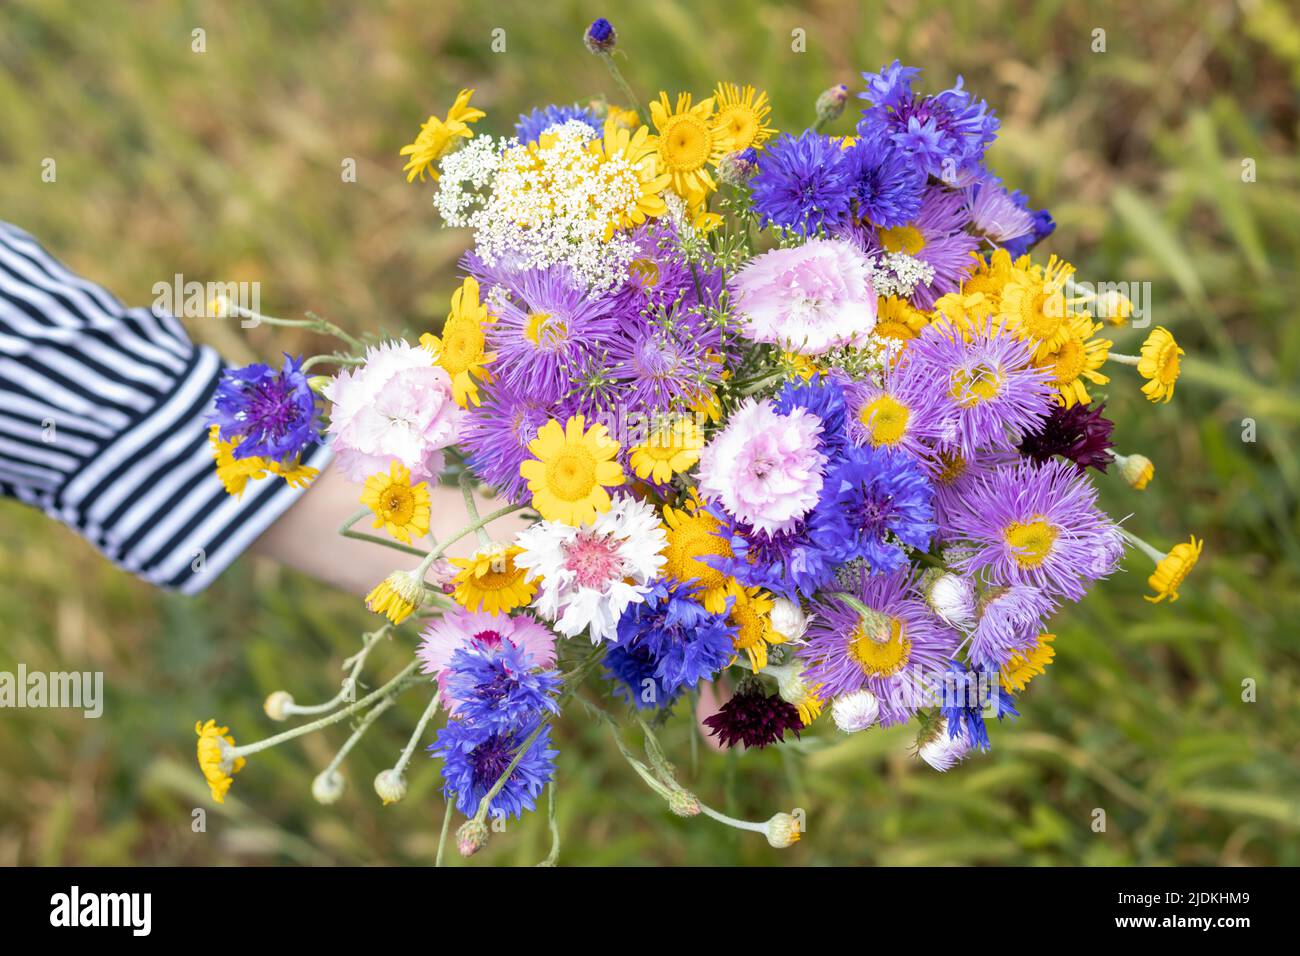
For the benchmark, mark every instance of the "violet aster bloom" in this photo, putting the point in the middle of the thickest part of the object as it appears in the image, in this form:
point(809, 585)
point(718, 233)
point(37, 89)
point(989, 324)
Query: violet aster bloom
point(904, 414)
point(546, 327)
point(953, 475)
point(665, 363)
point(1010, 619)
point(475, 757)
point(659, 277)
point(804, 183)
point(873, 501)
point(887, 183)
point(995, 214)
point(937, 238)
point(272, 413)
point(991, 392)
point(946, 133)
point(532, 125)
point(1037, 525)
point(788, 563)
point(896, 651)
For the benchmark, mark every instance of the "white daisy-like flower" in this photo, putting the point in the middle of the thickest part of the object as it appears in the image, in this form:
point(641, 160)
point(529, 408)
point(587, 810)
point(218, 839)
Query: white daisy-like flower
point(590, 575)
point(855, 711)
point(952, 597)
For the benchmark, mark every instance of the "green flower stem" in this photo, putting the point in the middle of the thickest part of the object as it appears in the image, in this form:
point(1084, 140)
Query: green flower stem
point(760, 383)
point(852, 602)
point(553, 857)
point(423, 722)
point(360, 732)
point(391, 689)
point(620, 81)
point(1124, 359)
point(446, 828)
point(354, 665)
point(1148, 550)
point(335, 358)
point(313, 322)
point(346, 531)
point(712, 814)
point(471, 508)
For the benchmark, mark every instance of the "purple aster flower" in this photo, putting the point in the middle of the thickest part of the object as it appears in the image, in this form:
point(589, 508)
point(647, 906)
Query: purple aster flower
point(887, 183)
point(1043, 226)
point(667, 644)
point(475, 757)
point(945, 134)
point(497, 687)
point(546, 327)
point(897, 650)
point(496, 436)
point(874, 500)
point(532, 125)
point(825, 399)
point(1009, 620)
point(965, 697)
point(804, 183)
point(953, 475)
point(272, 413)
point(995, 213)
point(1037, 525)
point(1080, 433)
point(753, 717)
point(992, 394)
point(660, 278)
point(665, 363)
point(787, 563)
point(905, 414)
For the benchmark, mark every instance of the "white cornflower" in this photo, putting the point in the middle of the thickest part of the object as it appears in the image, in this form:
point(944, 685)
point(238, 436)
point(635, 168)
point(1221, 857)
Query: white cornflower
point(590, 575)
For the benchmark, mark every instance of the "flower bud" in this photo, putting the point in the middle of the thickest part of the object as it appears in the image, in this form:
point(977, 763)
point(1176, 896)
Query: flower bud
point(471, 837)
point(1137, 470)
point(830, 105)
point(735, 169)
point(318, 383)
point(782, 830)
point(943, 751)
point(390, 785)
point(327, 787)
point(600, 36)
point(684, 803)
point(952, 597)
point(855, 711)
point(277, 705)
point(788, 619)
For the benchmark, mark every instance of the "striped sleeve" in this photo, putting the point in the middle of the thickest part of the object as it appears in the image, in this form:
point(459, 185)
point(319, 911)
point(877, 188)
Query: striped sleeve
point(103, 426)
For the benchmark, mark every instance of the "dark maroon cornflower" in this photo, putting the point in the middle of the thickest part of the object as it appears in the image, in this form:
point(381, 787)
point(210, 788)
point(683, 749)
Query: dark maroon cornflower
point(753, 718)
point(1079, 433)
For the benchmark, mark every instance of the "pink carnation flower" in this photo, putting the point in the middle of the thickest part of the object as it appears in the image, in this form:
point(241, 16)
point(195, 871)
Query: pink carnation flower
point(397, 406)
point(468, 629)
point(808, 299)
point(765, 468)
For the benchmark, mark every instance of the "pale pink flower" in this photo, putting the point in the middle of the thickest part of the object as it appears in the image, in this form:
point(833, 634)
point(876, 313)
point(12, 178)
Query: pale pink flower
point(463, 630)
point(807, 299)
point(765, 468)
point(397, 406)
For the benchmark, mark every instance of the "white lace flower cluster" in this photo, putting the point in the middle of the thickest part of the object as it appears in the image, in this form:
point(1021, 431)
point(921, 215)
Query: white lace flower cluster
point(538, 205)
point(897, 274)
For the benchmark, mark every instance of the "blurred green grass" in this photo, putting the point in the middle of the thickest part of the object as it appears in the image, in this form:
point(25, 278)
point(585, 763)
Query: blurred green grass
point(225, 165)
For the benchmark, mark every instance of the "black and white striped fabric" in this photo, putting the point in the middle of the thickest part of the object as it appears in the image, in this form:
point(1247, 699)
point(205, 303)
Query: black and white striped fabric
point(102, 426)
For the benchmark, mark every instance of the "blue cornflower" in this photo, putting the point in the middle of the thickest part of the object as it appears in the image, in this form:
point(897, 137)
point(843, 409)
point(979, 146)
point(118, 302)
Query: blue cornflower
point(965, 695)
point(600, 36)
point(532, 125)
point(872, 500)
point(887, 183)
point(475, 757)
point(273, 413)
point(825, 399)
point(671, 640)
point(496, 686)
point(788, 563)
point(946, 134)
point(803, 183)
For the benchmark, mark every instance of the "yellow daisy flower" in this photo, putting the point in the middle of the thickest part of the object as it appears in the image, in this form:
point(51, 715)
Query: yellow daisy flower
point(1172, 569)
point(1160, 364)
point(437, 136)
point(990, 276)
point(1034, 305)
point(896, 319)
point(691, 536)
point(397, 597)
point(751, 611)
point(626, 150)
point(488, 581)
point(461, 349)
point(296, 474)
point(1076, 358)
point(742, 117)
point(688, 141)
point(672, 448)
point(400, 507)
point(627, 119)
point(571, 467)
point(236, 473)
point(1017, 672)
point(217, 765)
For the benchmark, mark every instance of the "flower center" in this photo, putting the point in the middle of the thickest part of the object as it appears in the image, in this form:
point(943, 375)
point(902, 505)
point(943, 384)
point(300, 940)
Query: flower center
point(880, 654)
point(488, 638)
point(954, 466)
point(972, 386)
point(462, 344)
point(1042, 315)
point(894, 329)
point(398, 504)
point(593, 559)
point(686, 544)
point(545, 330)
point(1032, 542)
point(646, 270)
point(1168, 363)
point(1069, 361)
point(739, 125)
point(886, 420)
point(685, 144)
point(902, 239)
point(571, 475)
point(749, 626)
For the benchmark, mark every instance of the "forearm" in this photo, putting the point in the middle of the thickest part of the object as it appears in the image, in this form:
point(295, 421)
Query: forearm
point(306, 537)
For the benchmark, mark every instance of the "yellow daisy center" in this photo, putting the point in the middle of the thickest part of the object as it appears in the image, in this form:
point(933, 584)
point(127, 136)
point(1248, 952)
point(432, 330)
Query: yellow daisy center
point(689, 541)
point(1041, 315)
point(1069, 361)
point(647, 270)
point(902, 239)
point(397, 504)
point(880, 658)
point(894, 329)
point(571, 475)
point(970, 387)
point(545, 330)
point(685, 143)
point(1168, 363)
point(740, 125)
point(462, 344)
point(954, 466)
point(886, 420)
point(1032, 542)
point(749, 626)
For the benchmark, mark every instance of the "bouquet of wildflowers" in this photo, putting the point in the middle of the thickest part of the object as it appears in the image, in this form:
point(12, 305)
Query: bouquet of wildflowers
point(795, 415)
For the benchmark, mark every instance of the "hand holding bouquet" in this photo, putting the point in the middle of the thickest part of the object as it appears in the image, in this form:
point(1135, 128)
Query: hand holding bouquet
point(796, 414)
